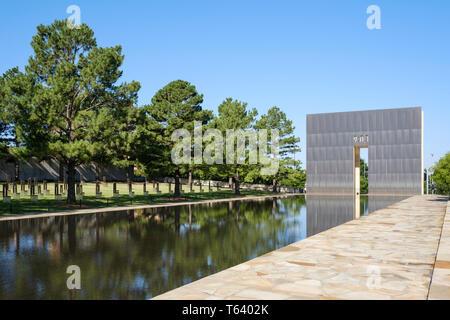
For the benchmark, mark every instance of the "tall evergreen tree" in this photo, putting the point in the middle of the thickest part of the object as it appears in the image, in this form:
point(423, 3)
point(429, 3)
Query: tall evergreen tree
point(67, 93)
point(13, 89)
point(176, 106)
point(130, 140)
point(288, 142)
point(234, 115)
point(5, 126)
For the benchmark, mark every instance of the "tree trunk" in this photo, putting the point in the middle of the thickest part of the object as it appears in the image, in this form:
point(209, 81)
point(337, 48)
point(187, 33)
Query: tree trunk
point(61, 233)
point(130, 172)
point(177, 183)
point(236, 182)
point(190, 217)
point(177, 220)
point(190, 177)
point(71, 182)
point(72, 234)
point(61, 172)
point(17, 170)
point(274, 185)
point(97, 173)
point(274, 206)
point(237, 210)
point(16, 162)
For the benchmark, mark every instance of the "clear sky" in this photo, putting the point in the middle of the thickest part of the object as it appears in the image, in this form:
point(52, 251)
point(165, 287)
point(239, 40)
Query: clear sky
point(303, 56)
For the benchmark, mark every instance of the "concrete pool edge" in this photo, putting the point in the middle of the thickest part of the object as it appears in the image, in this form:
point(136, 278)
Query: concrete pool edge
point(135, 207)
point(399, 250)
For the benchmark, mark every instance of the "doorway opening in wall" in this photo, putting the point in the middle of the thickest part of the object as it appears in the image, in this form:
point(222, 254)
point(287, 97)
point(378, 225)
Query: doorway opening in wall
point(361, 170)
point(360, 174)
point(364, 170)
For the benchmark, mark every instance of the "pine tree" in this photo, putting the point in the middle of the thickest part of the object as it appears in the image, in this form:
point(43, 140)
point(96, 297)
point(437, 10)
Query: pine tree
point(233, 115)
point(68, 93)
point(288, 142)
point(176, 106)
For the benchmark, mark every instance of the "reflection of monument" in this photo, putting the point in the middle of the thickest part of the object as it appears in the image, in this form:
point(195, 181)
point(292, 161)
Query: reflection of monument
point(327, 212)
point(377, 203)
point(394, 138)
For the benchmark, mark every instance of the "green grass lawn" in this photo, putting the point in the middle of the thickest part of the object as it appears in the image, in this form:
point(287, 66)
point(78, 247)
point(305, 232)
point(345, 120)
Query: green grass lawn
point(48, 203)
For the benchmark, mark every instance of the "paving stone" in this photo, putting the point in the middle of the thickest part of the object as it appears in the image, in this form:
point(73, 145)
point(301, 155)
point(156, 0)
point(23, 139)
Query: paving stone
point(399, 252)
point(440, 283)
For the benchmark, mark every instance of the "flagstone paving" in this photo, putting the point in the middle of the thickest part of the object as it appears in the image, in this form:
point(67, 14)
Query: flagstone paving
point(440, 283)
point(390, 254)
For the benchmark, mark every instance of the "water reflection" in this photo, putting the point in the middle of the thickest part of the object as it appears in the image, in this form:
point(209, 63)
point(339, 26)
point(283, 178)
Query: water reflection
point(142, 253)
point(377, 202)
point(325, 212)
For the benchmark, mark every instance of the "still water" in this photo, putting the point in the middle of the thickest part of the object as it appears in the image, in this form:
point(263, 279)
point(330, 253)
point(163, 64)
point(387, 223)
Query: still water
point(142, 253)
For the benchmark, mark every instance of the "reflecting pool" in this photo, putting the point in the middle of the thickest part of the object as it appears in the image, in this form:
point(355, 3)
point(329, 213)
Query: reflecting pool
point(142, 253)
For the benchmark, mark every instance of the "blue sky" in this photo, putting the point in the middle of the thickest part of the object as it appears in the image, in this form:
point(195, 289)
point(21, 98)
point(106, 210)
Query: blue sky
point(303, 56)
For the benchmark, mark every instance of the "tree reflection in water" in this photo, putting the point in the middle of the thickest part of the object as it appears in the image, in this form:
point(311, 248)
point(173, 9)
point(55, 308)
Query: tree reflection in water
point(142, 253)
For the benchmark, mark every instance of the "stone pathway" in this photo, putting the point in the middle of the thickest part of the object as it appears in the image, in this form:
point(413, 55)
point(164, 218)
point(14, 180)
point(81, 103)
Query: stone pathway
point(389, 254)
point(440, 283)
